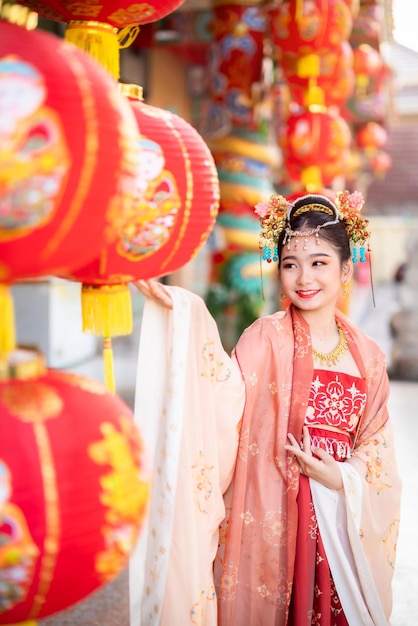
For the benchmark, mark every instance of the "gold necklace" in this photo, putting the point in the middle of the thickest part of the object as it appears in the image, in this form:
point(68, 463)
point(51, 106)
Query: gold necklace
point(336, 355)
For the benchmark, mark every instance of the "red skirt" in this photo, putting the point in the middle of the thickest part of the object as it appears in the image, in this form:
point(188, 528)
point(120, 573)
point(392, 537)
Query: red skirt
point(314, 597)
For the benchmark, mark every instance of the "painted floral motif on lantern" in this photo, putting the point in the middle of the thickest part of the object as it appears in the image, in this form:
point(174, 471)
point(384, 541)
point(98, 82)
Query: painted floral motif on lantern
point(18, 551)
point(33, 153)
point(158, 204)
point(122, 492)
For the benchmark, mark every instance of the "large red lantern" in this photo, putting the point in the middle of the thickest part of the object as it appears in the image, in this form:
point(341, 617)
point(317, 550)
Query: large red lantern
point(102, 27)
point(68, 155)
point(316, 147)
point(72, 491)
point(305, 26)
point(176, 208)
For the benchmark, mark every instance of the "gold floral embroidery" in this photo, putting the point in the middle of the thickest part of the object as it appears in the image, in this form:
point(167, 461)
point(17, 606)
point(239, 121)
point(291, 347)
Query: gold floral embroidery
point(215, 371)
point(247, 518)
point(274, 529)
point(302, 341)
point(390, 542)
point(203, 486)
point(371, 453)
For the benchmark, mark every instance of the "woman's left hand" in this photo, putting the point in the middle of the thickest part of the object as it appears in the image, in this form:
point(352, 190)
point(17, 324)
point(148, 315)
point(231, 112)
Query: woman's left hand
point(315, 462)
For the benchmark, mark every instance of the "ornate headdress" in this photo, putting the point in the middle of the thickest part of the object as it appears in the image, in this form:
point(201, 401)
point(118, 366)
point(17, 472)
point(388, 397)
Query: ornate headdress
point(276, 214)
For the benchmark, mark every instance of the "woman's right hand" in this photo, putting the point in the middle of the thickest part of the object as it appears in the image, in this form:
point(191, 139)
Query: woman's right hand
point(156, 291)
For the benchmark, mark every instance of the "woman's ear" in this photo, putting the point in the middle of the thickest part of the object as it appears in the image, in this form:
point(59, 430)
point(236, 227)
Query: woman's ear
point(347, 271)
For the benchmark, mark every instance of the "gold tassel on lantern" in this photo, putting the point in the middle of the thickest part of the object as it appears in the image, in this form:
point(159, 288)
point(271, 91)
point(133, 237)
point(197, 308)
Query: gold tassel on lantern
point(7, 322)
point(109, 374)
point(101, 41)
point(107, 312)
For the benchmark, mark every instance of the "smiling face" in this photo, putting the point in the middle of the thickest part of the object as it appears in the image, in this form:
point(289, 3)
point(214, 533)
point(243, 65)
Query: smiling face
point(311, 274)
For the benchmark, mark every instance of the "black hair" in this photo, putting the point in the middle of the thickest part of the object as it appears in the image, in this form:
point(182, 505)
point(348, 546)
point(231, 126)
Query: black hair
point(334, 234)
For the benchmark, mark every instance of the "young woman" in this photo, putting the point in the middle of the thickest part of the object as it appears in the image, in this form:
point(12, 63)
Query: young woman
point(287, 446)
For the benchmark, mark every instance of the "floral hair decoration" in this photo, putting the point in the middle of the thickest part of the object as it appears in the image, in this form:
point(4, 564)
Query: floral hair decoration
point(275, 216)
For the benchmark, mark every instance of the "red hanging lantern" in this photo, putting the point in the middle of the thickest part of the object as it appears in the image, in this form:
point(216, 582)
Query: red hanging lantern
point(177, 204)
point(305, 26)
point(371, 137)
point(102, 27)
point(327, 79)
point(236, 59)
point(381, 162)
point(316, 148)
point(367, 65)
point(67, 144)
point(72, 492)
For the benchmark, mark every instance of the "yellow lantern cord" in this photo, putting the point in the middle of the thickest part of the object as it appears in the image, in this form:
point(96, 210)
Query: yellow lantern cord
point(312, 178)
point(7, 322)
point(106, 312)
point(109, 374)
point(99, 40)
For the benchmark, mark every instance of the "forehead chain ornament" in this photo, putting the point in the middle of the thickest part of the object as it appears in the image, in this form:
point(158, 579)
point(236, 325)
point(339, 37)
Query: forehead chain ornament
point(276, 214)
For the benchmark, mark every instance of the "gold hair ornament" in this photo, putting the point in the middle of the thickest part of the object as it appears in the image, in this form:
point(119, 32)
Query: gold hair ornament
point(275, 216)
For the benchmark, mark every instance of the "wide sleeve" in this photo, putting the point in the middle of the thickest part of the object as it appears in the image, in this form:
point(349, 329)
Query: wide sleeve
point(359, 525)
point(188, 405)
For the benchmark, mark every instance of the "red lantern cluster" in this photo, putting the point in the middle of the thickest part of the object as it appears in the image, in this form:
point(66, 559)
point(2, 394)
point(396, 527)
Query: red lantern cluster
point(316, 61)
point(72, 490)
point(68, 155)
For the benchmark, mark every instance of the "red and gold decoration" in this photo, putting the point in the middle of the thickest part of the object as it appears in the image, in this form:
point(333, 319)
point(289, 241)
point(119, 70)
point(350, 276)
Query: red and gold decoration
point(72, 490)
point(316, 147)
point(328, 79)
point(103, 27)
point(177, 199)
point(310, 26)
point(68, 156)
point(235, 66)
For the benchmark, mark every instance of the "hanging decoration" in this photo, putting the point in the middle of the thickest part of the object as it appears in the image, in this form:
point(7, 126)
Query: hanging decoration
point(235, 65)
point(303, 27)
point(177, 199)
point(68, 158)
point(103, 27)
point(330, 83)
point(316, 147)
point(73, 493)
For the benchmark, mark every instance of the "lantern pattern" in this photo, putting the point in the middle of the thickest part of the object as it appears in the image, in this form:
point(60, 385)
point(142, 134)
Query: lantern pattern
point(101, 28)
point(117, 13)
point(176, 204)
point(331, 73)
point(68, 155)
point(72, 489)
point(235, 63)
point(306, 26)
point(316, 147)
